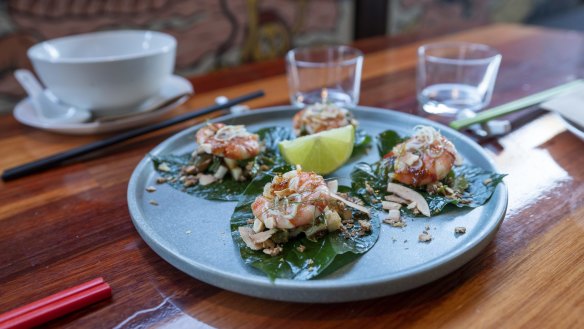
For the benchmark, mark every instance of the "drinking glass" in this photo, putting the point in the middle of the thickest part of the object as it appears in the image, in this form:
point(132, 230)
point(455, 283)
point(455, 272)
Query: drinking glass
point(456, 77)
point(324, 74)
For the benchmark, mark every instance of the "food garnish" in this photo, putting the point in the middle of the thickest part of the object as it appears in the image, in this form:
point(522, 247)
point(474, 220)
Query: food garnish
point(222, 150)
point(425, 158)
point(321, 117)
point(425, 237)
point(460, 230)
point(421, 175)
point(225, 159)
point(412, 198)
point(293, 203)
point(293, 224)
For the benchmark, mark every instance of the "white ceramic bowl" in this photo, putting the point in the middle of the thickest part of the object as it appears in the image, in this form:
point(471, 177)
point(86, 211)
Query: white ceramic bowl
point(105, 71)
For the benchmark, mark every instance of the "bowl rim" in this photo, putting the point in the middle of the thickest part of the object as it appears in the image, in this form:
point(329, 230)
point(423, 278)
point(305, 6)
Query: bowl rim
point(33, 52)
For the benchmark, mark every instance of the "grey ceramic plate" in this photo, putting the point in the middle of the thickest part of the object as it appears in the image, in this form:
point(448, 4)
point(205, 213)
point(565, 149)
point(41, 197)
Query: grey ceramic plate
point(193, 234)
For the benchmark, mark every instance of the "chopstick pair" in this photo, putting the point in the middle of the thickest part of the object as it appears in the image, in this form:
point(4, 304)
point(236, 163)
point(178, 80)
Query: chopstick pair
point(516, 105)
point(57, 305)
point(53, 160)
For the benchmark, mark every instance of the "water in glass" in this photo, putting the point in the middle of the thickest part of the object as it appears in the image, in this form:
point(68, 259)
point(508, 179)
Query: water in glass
point(450, 98)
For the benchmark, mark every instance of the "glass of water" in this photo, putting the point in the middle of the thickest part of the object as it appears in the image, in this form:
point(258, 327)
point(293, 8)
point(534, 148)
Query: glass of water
point(456, 77)
point(324, 74)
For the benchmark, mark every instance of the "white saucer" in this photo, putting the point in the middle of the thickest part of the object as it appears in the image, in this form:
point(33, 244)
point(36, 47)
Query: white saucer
point(174, 86)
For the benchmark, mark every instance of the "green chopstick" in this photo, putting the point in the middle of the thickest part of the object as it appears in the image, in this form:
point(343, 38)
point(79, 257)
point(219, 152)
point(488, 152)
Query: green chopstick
point(515, 105)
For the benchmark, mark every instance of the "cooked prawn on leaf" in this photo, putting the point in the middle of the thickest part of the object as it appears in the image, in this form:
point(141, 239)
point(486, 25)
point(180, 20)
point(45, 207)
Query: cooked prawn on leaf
point(321, 117)
point(420, 175)
point(225, 159)
point(293, 224)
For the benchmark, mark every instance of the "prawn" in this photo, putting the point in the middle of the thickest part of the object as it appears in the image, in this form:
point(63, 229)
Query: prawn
point(425, 158)
point(233, 142)
point(291, 200)
point(321, 117)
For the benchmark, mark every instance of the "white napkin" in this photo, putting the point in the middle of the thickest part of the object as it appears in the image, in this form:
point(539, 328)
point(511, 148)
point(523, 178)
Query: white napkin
point(570, 105)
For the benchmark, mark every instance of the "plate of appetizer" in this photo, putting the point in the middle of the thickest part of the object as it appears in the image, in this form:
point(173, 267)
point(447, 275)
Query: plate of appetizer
point(319, 205)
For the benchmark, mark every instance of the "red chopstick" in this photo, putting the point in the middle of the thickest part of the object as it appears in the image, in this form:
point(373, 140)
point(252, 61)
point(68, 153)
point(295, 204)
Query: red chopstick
point(54, 306)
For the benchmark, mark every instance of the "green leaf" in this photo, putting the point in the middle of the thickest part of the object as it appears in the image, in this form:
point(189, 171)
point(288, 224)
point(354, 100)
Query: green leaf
point(376, 176)
point(460, 183)
point(271, 156)
point(271, 136)
point(215, 165)
point(362, 143)
point(470, 180)
point(366, 177)
point(386, 141)
point(226, 189)
point(476, 194)
point(291, 263)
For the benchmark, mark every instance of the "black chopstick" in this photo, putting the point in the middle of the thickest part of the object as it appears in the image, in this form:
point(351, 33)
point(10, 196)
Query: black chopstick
point(53, 160)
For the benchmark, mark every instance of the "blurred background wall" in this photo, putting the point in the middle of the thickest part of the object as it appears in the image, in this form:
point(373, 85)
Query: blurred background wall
point(214, 34)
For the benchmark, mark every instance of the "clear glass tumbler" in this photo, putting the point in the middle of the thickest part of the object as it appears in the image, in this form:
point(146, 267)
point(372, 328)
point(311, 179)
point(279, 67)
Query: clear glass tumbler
point(456, 77)
point(327, 74)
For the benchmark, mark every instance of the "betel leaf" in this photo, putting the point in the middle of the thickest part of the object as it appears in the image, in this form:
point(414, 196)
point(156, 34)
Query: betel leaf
point(271, 136)
point(480, 186)
point(362, 142)
point(270, 156)
point(291, 263)
point(226, 189)
point(370, 181)
point(366, 177)
point(386, 141)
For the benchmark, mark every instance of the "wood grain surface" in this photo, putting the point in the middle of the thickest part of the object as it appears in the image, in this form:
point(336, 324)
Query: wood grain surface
point(70, 224)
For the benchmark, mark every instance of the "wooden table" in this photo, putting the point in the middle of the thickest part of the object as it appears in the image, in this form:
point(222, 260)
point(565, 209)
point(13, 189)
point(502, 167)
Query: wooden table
point(70, 224)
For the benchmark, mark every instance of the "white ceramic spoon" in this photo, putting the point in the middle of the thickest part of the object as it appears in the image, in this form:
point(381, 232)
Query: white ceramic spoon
point(46, 105)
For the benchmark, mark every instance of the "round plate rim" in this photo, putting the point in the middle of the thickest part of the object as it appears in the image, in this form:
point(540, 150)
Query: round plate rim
point(323, 285)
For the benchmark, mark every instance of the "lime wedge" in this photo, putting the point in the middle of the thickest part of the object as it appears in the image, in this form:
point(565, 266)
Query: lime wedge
point(323, 152)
